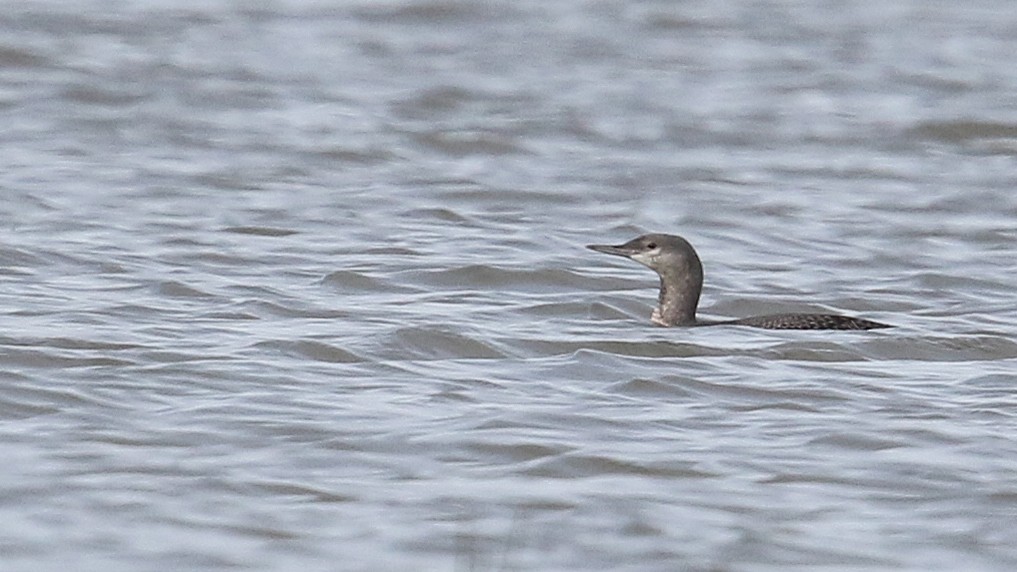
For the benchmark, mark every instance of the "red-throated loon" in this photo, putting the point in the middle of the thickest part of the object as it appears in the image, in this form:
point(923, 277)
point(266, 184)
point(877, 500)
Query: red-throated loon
point(681, 281)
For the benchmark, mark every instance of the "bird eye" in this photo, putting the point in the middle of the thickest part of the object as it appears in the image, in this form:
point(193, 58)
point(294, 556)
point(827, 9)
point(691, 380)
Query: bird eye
point(651, 245)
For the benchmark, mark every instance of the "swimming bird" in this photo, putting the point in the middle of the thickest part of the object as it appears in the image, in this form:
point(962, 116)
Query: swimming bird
point(681, 282)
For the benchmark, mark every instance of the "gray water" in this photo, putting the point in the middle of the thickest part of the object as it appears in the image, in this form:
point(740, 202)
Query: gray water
point(301, 285)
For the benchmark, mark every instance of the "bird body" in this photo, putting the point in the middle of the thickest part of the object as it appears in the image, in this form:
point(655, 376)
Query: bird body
point(681, 283)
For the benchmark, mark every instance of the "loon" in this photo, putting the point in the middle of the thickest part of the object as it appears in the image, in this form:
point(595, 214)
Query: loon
point(681, 282)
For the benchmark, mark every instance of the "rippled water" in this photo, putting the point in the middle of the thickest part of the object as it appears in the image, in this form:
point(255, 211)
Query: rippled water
point(301, 286)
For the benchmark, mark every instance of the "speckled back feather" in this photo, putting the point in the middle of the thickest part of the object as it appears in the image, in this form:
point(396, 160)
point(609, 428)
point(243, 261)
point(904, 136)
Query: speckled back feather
point(808, 322)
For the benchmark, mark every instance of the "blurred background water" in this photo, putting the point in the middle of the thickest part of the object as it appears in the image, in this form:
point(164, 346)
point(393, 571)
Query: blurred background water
point(300, 285)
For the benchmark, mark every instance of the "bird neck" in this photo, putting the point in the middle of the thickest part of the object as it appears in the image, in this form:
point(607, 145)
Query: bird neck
point(679, 296)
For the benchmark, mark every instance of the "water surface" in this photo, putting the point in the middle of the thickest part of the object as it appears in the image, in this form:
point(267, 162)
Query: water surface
point(301, 286)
